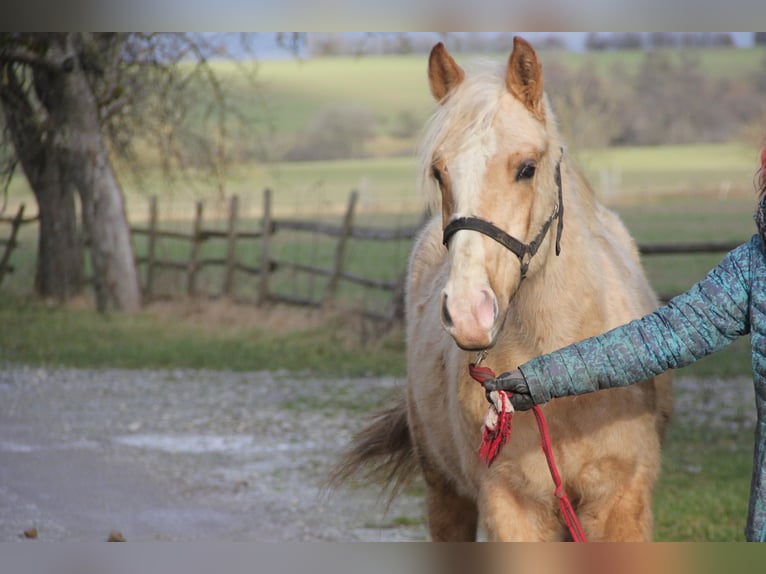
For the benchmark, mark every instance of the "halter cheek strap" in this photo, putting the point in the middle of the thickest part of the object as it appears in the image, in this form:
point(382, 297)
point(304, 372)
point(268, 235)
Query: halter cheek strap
point(524, 251)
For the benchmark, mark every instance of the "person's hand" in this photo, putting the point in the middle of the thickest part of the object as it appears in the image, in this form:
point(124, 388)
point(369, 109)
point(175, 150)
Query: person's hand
point(512, 382)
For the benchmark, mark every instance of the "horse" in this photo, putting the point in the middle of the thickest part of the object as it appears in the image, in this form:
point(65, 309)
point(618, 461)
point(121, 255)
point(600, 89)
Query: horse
point(519, 258)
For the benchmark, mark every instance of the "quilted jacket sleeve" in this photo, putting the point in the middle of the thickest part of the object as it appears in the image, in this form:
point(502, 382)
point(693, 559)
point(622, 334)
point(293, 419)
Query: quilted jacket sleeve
point(705, 319)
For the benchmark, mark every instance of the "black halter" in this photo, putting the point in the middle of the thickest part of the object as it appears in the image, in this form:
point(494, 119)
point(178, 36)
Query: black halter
point(524, 251)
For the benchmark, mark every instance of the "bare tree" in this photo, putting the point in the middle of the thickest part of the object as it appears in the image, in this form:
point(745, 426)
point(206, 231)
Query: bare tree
point(589, 103)
point(71, 102)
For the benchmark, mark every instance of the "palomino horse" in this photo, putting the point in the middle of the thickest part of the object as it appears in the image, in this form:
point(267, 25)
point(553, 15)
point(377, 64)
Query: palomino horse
point(511, 280)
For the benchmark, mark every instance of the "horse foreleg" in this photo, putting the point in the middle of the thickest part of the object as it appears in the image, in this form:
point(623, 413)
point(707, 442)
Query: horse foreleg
point(625, 516)
point(509, 518)
point(451, 517)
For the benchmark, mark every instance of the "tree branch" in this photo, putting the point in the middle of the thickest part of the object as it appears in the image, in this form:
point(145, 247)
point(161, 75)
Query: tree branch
point(22, 55)
point(110, 109)
point(25, 129)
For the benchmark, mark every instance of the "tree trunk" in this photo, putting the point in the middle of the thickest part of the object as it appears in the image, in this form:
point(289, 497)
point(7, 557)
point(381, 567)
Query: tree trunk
point(59, 269)
point(76, 133)
point(111, 249)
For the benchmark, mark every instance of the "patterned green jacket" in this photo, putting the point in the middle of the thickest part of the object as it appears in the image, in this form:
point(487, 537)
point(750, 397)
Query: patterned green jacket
point(729, 302)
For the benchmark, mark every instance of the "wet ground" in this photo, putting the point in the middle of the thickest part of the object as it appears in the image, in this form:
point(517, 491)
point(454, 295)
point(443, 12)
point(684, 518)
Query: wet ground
point(214, 456)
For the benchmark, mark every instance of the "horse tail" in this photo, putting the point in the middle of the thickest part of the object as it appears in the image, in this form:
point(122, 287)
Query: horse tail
point(379, 453)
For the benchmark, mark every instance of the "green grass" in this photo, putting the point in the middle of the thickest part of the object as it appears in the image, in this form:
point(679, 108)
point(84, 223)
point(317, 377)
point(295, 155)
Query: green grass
point(384, 184)
point(702, 493)
point(37, 334)
point(296, 90)
point(644, 173)
point(725, 63)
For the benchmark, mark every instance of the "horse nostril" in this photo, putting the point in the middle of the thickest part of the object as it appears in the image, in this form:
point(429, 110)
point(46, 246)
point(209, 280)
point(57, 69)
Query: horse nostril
point(446, 317)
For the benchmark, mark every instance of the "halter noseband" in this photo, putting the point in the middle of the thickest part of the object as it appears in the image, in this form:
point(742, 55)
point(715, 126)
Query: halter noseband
point(524, 251)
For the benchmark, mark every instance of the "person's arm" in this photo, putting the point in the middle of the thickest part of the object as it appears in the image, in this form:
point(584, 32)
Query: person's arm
point(709, 316)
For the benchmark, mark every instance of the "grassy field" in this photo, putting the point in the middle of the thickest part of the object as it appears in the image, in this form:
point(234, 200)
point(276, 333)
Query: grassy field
point(293, 91)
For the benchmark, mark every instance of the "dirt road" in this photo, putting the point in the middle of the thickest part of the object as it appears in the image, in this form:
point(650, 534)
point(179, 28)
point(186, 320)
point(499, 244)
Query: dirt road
point(185, 455)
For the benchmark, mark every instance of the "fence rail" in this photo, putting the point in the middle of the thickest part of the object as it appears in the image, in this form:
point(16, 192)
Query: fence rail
point(687, 248)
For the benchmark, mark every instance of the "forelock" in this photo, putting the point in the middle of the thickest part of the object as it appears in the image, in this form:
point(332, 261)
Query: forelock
point(462, 120)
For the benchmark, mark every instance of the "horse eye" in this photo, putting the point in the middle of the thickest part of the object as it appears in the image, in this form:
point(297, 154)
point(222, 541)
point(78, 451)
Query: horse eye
point(437, 175)
point(526, 171)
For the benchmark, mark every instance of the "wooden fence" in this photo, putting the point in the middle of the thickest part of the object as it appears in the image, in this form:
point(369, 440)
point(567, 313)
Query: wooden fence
point(9, 244)
point(268, 264)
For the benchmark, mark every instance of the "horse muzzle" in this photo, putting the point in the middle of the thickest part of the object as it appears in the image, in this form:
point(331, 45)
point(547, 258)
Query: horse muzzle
point(471, 318)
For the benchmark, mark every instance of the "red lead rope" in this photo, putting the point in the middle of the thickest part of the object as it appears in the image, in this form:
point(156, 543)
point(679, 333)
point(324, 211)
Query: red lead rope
point(494, 436)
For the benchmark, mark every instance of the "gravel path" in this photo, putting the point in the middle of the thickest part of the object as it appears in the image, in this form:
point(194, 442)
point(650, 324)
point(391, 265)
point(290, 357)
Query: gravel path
point(197, 455)
point(184, 455)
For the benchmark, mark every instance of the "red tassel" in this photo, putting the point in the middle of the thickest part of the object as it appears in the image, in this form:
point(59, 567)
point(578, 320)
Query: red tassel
point(493, 439)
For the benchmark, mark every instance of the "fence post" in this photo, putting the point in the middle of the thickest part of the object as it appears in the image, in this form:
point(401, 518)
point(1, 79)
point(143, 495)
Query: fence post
point(191, 280)
point(231, 246)
point(340, 250)
point(151, 248)
point(265, 270)
point(15, 224)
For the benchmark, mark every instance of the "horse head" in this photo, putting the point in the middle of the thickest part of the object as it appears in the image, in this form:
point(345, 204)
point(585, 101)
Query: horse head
point(493, 153)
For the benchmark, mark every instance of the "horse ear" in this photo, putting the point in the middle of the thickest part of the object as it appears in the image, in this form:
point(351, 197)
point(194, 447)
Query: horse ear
point(444, 75)
point(524, 77)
